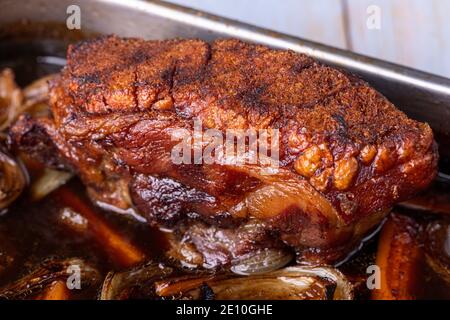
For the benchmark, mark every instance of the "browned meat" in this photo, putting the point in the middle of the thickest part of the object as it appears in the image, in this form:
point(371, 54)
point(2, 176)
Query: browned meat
point(346, 154)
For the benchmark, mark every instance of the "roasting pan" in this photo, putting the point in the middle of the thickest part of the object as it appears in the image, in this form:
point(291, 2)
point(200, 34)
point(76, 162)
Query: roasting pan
point(422, 96)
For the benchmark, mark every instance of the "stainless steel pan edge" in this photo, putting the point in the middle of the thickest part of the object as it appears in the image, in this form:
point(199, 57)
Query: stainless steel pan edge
point(421, 95)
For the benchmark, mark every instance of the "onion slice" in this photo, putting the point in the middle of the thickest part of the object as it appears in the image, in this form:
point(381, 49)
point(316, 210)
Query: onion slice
point(158, 281)
point(49, 181)
point(437, 248)
point(123, 285)
point(263, 261)
point(13, 179)
point(43, 276)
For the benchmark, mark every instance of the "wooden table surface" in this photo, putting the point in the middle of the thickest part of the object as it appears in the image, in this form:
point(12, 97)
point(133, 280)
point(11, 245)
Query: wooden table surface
point(415, 33)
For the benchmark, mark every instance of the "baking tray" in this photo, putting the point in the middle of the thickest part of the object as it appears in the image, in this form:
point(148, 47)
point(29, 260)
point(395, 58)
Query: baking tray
point(422, 96)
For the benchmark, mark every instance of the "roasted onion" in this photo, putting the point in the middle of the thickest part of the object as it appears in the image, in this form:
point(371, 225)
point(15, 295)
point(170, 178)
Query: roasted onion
point(262, 261)
point(37, 91)
point(158, 281)
point(437, 248)
point(14, 101)
point(49, 181)
point(11, 99)
point(131, 283)
point(292, 283)
point(42, 277)
point(13, 178)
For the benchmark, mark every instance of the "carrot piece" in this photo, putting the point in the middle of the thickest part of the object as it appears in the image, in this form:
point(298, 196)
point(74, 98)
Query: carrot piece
point(56, 291)
point(33, 166)
point(169, 288)
point(121, 249)
point(382, 261)
point(399, 258)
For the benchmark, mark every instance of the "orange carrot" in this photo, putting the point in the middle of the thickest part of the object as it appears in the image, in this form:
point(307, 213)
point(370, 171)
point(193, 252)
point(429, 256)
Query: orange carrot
point(33, 166)
point(121, 249)
point(382, 261)
point(399, 258)
point(169, 288)
point(56, 291)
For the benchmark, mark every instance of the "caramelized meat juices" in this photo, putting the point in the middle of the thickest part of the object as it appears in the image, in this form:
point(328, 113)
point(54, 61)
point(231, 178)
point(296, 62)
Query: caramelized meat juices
point(346, 154)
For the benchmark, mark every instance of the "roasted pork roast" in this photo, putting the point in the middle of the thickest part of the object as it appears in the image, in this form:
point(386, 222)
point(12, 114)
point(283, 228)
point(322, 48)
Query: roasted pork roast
point(345, 154)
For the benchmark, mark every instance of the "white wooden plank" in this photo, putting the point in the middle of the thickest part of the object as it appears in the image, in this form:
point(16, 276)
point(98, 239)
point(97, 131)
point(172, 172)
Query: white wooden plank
point(413, 32)
point(441, 12)
point(318, 20)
